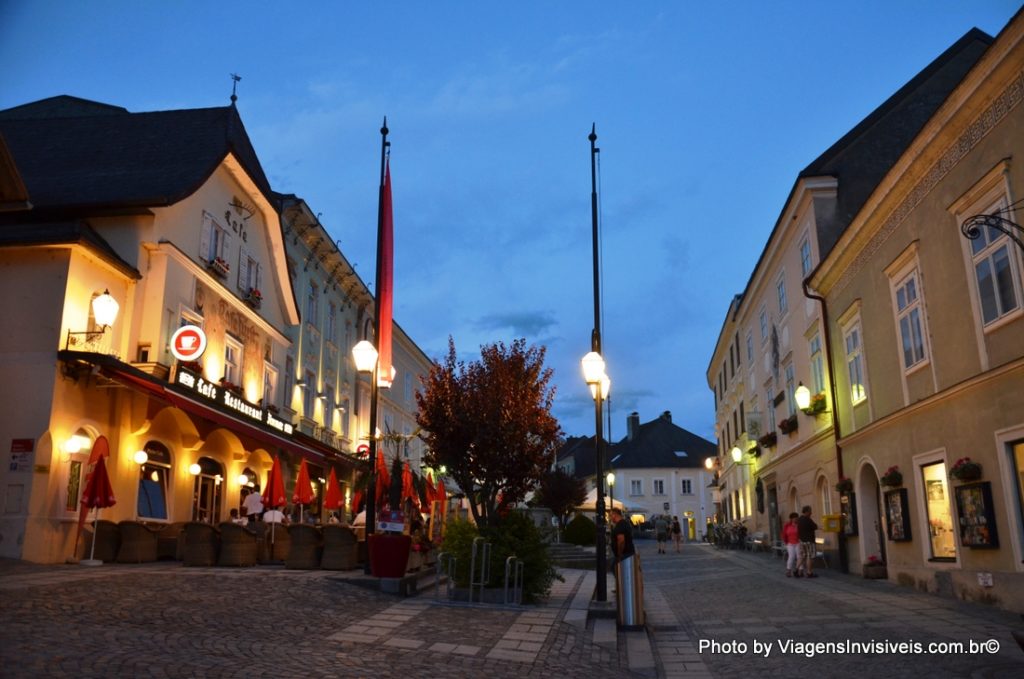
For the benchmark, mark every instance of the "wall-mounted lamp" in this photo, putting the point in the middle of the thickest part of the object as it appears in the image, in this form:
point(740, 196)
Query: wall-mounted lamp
point(194, 469)
point(141, 457)
point(104, 313)
point(301, 384)
point(811, 405)
point(321, 395)
point(243, 480)
point(737, 457)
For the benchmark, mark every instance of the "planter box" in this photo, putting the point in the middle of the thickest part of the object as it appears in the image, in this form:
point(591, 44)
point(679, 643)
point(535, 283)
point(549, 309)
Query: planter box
point(389, 555)
point(876, 572)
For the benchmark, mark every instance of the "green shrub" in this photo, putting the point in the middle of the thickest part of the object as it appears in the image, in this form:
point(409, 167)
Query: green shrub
point(517, 536)
point(581, 531)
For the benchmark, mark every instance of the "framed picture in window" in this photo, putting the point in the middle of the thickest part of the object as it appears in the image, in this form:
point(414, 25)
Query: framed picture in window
point(976, 516)
point(848, 506)
point(897, 515)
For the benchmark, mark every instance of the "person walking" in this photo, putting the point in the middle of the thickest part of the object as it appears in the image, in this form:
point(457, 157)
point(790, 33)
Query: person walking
point(661, 531)
point(792, 542)
point(805, 528)
point(677, 533)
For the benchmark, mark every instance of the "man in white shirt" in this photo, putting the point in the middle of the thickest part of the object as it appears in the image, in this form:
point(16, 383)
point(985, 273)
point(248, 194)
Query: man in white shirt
point(253, 505)
point(274, 516)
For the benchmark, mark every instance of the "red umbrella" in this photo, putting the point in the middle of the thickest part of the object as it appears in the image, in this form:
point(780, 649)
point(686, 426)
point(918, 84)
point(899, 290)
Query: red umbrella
point(303, 494)
point(383, 480)
point(441, 495)
point(428, 488)
point(97, 494)
point(333, 499)
point(273, 495)
point(273, 492)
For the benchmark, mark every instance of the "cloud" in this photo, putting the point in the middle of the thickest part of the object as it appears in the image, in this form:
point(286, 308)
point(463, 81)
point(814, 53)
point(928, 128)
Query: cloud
point(522, 323)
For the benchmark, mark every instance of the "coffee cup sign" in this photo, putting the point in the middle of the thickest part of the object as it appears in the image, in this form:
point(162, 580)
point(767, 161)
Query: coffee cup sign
point(188, 343)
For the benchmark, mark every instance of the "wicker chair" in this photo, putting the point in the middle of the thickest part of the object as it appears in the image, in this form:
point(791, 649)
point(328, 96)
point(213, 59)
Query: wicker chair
point(238, 545)
point(339, 548)
point(274, 544)
point(170, 541)
point(108, 541)
point(138, 543)
point(305, 547)
point(201, 544)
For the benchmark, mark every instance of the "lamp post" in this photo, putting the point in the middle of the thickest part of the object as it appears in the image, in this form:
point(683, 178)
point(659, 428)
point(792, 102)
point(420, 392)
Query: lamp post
point(596, 378)
point(611, 489)
point(365, 356)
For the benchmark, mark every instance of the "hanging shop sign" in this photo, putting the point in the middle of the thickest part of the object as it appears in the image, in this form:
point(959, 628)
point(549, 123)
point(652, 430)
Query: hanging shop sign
point(188, 343)
point(227, 398)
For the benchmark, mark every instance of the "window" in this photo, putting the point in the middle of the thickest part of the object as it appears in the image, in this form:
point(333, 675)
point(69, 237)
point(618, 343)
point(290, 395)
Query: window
point(636, 487)
point(995, 274)
point(750, 347)
point(344, 418)
point(937, 506)
point(687, 487)
point(153, 482)
point(309, 395)
point(855, 362)
point(232, 360)
point(249, 275)
point(332, 321)
point(805, 257)
point(206, 490)
point(289, 383)
point(908, 318)
point(762, 318)
point(659, 486)
point(312, 303)
point(780, 289)
point(824, 497)
point(214, 240)
point(269, 385)
point(328, 407)
point(817, 365)
point(408, 387)
point(790, 389)
point(769, 406)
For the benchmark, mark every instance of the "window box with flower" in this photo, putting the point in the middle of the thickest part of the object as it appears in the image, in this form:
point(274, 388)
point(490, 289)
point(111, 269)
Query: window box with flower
point(965, 469)
point(231, 386)
point(254, 298)
point(818, 404)
point(844, 485)
point(769, 440)
point(220, 267)
point(789, 425)
point(892, 477)
point(192, 366)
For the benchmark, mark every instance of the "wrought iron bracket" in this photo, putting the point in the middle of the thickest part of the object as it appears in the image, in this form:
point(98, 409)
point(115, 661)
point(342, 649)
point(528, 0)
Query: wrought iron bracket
point(971, 228)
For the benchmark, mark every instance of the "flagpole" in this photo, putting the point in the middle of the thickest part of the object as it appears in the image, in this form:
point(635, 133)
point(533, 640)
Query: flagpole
point(371, 498)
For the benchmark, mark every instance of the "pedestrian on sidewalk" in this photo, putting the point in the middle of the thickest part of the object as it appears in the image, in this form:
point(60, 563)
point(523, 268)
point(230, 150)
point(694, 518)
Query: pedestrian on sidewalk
point(792, 542)
point(622, 536)
point(805, 528)
point(677, 533)
point(661, 531)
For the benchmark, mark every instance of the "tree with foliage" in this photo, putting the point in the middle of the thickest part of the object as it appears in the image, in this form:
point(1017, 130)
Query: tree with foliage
point(490, 423)
point(561, 493)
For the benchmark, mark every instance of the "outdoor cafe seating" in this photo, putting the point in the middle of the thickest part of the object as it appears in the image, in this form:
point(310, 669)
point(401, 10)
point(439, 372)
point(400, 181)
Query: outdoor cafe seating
point(202, 542)
point(304, 552)
point(340, 551)
point(239, 545)
point(139, 542)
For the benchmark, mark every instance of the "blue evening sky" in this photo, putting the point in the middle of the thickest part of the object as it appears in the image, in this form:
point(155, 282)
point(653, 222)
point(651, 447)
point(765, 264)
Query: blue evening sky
point(705, 112)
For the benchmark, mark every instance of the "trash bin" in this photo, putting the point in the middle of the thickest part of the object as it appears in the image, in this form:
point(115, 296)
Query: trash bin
point(630, 592)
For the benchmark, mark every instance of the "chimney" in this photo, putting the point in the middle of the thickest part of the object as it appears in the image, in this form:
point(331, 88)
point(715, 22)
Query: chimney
point(632, 424)
point(667, 415)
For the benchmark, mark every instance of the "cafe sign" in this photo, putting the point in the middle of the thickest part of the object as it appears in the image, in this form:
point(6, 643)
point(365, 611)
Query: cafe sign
point(228, 399)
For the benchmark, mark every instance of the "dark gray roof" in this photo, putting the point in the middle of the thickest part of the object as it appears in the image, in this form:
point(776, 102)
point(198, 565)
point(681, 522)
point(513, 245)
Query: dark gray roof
point(65, 233)
point(92, 157)
point(656, 443)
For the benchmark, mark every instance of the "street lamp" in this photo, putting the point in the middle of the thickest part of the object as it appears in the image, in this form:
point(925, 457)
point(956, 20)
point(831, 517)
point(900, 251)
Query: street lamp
point(802, 396)
point(365, 356)
point(593, 371)
point(611, 489)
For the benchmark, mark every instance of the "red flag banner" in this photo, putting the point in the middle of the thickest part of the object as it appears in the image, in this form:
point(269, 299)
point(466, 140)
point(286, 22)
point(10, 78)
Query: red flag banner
point(385, 286)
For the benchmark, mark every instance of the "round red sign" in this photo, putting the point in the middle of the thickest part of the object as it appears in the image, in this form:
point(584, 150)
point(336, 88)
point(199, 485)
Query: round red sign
point(188, 343)
point(363, 450)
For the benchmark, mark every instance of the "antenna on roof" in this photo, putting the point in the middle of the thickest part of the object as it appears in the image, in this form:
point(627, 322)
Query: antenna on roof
point(234, 87)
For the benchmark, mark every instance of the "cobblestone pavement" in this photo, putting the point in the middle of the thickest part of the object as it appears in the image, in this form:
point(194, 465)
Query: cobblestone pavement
point(734, 598)
point(164, 620)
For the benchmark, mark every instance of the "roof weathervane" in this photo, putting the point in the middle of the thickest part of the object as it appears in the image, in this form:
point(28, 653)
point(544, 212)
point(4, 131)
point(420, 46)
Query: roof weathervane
point(234, 87)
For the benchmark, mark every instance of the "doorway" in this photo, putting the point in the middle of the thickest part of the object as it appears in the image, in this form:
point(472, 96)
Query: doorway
point(869, 500)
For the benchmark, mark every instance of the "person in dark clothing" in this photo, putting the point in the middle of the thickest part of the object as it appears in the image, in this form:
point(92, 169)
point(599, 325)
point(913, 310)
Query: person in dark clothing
point(622, 536)
point(805, 528)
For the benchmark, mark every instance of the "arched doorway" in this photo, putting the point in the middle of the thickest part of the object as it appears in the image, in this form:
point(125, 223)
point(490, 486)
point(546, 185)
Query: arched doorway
point(207, 495)
point(869, 501)
point(154, 482)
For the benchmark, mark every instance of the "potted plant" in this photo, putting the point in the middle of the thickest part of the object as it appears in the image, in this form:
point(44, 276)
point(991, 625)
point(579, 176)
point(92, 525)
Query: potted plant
point(769, 440)
point(965, 469)
point(818, 403)
point(874, 569)
point(892, 476)
point(789, 425)
point(192, 366)
point(844, 485)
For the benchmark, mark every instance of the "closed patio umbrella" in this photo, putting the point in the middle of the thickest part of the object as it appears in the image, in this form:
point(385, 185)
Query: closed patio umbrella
point(273, 492)
point(408, 490)
point(97, 494)
point(333, 499)
point(303, 493)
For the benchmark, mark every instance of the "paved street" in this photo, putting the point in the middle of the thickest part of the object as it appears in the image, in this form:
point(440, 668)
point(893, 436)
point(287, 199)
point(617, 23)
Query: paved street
point(163, 620)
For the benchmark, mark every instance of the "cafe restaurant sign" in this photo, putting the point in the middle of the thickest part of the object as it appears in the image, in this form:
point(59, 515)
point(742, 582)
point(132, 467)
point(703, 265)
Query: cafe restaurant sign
point(228, 399)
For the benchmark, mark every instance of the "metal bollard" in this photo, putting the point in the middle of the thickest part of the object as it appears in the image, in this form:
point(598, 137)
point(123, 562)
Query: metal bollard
point(630, 592)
